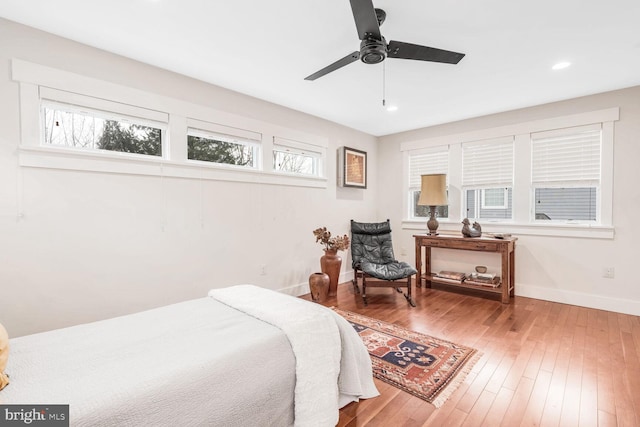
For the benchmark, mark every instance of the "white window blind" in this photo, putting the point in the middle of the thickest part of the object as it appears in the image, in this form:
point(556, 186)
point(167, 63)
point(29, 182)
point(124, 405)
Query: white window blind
point(427, 163)
point(488, 163)
point(568, 157)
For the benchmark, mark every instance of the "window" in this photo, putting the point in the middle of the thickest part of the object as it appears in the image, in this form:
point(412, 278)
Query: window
point(422, 163)
point(221, 149)
point(487, 179)
point(546, 177)
point(299, 158)
point(66, 125)
point(565, 174)
point(73, 122)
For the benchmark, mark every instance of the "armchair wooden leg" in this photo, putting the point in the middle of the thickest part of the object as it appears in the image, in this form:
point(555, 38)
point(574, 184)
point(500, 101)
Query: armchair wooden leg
point(356, 288)
point(408, 294)
point(364, 291)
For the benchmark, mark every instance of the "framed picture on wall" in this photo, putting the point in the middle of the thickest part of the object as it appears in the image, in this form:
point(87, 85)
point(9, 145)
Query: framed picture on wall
point(352, 167)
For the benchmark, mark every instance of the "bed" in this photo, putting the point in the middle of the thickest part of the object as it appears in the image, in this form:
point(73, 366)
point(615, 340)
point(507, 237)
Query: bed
point(241, 356)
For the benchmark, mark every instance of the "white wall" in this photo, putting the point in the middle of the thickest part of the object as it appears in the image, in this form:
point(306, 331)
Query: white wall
point(558, 269)
point(81, 246)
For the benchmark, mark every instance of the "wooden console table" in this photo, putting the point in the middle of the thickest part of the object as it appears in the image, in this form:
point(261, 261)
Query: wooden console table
point(506, 248)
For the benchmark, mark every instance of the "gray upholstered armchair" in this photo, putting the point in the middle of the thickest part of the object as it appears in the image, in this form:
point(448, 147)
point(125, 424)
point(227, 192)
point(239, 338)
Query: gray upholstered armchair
point(372, 257)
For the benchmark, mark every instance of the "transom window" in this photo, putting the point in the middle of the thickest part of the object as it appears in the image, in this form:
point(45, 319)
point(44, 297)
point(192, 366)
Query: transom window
point(222, 145)
point(294, 157)
point(222, 149)
point(66, 125)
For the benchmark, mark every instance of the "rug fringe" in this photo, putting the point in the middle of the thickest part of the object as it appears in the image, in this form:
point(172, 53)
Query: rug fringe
point(458, 379)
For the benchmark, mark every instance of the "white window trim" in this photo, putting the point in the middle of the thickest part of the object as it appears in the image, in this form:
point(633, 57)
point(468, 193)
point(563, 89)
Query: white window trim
point(31, 77)
point(522, 223)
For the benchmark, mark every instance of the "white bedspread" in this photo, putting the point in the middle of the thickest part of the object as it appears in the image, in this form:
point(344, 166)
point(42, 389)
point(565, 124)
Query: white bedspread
point(273, 360)
point(195, 363)
point(333, 367)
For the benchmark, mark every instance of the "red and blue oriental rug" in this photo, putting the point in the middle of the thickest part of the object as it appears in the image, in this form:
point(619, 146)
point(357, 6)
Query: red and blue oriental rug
point(427, 367)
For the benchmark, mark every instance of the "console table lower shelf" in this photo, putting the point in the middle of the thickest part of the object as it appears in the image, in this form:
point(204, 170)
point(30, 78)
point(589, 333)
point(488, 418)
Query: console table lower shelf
point(480, 288)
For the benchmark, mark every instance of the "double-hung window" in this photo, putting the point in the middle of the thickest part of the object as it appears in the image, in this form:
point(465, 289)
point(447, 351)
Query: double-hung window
point(298, 158)
point(222, 145)
point(487, 179)
point(423, 162)
point(565, 174)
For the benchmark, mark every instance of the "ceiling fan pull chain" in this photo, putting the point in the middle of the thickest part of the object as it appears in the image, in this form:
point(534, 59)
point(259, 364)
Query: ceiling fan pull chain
point(384, 89)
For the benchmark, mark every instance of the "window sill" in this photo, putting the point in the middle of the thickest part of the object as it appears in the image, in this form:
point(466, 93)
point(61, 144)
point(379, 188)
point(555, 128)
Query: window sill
point(131, 164)
point(551, 230)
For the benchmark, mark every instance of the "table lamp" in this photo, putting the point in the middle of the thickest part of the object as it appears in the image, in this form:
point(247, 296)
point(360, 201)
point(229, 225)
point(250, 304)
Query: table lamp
point(433, 193)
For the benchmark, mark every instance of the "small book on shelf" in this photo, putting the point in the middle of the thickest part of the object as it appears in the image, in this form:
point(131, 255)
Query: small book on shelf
point(478, 279)
point(451, 275)
point(482, 277)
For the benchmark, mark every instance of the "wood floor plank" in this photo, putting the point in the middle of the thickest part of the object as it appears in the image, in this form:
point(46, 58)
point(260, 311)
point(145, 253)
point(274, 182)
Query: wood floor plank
point(519, 402)
point(537, 399)
point(479, 411)
point(543, 363)
point(499, 407)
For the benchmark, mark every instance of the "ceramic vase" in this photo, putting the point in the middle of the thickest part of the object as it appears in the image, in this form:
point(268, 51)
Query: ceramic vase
point(319, 286)
point(330, 264)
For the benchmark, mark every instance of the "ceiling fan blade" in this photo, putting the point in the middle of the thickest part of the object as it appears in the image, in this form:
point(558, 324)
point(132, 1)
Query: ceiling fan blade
point(422, 53)
point(338, 64)
point(366, 19)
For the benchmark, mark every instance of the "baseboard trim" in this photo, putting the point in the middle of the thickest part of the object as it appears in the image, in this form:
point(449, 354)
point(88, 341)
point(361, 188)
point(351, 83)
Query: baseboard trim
point(581, 299)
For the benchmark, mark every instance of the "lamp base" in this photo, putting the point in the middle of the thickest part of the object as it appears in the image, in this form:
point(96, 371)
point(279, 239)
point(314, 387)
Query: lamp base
point(432, 224)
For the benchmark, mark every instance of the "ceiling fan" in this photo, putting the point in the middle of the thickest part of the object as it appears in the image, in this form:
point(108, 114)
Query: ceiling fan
point(374, 48)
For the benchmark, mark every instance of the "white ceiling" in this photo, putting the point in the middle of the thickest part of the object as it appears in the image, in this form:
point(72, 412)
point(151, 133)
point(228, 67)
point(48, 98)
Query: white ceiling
point(266, 48)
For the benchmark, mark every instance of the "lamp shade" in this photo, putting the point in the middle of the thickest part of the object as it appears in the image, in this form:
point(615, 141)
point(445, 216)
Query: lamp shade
point(433, 191)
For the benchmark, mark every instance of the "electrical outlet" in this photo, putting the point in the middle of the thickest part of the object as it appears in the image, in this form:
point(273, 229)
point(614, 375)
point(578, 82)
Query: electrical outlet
point(608, 272)
point(403, 251)
point(263, 269)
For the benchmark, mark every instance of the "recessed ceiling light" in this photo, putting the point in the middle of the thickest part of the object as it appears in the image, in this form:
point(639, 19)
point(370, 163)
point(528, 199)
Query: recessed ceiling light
point(392, 108)
point(561, 65)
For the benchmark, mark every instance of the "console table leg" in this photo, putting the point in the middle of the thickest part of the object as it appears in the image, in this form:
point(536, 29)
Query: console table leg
point(506, 277)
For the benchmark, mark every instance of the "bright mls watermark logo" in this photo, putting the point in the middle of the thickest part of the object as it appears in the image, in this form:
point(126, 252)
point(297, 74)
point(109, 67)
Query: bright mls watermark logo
point(35, 415)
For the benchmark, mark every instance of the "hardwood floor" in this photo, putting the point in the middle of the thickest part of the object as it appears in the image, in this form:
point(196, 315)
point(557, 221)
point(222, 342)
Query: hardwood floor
point(544, 363)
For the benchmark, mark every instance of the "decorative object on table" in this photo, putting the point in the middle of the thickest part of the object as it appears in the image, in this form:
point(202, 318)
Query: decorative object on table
point(469, 230)
point(352, 167)
point(319, 286)
point(433, 193)
point(427, 367)
point(481, 269)
point(331, 262)
point(502, 236)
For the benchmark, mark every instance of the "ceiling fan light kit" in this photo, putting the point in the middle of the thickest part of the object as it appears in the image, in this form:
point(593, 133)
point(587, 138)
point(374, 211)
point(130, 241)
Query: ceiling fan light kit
point(374, 48)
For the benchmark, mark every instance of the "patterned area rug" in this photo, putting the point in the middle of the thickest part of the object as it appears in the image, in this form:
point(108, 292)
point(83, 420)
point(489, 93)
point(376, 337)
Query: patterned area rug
point(424, 366)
